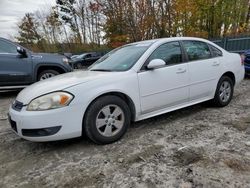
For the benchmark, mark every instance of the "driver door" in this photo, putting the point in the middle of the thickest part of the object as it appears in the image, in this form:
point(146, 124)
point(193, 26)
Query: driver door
point(167, 86)
point(14, 68)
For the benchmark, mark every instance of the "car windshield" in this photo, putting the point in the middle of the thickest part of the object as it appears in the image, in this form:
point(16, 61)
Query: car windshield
point(80, 56)
point(120, 59)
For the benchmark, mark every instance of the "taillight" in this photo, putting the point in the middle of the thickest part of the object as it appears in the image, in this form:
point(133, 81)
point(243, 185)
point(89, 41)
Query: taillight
point(242, 59)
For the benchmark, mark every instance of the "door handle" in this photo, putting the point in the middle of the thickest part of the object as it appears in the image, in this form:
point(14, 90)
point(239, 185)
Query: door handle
point(215, 64)
point(180, 71)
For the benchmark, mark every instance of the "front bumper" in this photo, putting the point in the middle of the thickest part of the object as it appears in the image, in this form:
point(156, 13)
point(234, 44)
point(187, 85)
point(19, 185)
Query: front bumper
point(60, 124)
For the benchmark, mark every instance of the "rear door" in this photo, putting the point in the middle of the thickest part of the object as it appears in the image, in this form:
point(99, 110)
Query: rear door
point(14, 69)
point(204, 68)
point(167, 86)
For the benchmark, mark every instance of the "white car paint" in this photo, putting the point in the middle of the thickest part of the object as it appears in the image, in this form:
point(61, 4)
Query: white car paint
point(159, 90)
point(152, 92)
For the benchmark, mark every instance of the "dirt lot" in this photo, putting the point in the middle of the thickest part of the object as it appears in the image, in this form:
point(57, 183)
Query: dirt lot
point(198, 146)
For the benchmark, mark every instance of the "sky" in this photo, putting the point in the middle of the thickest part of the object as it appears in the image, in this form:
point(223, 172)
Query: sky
point(12, 11)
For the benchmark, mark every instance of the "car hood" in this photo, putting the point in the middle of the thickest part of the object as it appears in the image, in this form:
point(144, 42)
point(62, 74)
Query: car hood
point(76, 60)
point(45, 57)
point(58, 83)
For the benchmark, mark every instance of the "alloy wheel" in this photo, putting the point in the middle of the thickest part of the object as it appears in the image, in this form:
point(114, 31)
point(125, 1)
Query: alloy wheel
point(46, 76)
point(225, 91)
point(110, 120)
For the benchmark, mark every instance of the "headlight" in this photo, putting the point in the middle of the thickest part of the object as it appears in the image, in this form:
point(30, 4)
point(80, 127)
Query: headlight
point(50, 101)
point(65, 61)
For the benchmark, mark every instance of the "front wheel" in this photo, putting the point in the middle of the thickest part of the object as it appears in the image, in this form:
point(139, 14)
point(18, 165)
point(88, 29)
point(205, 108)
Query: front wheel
point(224, 92)
point(47, 74)
point(107, 119)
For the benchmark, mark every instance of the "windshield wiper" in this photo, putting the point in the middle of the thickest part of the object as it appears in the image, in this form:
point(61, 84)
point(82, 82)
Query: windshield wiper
point(104, 70)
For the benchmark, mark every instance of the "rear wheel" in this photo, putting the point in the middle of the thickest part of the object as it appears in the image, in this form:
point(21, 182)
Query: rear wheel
point(224, 92)
point(107, 120)
point(47, 74)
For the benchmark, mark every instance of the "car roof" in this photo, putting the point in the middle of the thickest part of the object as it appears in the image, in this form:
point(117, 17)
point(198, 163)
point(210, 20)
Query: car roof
point(171, 39)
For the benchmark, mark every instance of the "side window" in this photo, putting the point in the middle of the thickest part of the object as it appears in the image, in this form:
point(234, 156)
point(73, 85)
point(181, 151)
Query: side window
point(88, 56)
point(196, 50)
point(215, 51)
point(6, 47)
point(169, 52)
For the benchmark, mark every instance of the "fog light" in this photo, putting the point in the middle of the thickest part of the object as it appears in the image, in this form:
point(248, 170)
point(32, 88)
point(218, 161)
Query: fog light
point(41, 132)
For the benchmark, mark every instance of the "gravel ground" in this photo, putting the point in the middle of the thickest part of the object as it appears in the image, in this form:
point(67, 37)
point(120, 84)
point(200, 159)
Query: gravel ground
point(199, 146)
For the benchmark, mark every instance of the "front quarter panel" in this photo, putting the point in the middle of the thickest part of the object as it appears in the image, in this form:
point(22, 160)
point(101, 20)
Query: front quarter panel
point(125, 83)
point(50, 60)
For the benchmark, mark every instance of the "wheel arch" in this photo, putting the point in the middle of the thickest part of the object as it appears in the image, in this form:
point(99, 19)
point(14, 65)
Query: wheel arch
point(122, 95)
point(230, 75)
point(44, 67)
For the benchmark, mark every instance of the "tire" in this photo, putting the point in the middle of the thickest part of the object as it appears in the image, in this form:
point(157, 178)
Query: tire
point(114, 118)
point(226, 86)
point(47, 74)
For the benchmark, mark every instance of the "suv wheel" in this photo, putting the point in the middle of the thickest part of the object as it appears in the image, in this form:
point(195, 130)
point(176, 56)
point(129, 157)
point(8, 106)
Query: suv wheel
point(224, 92)
point(107, 120)
point(47, 74)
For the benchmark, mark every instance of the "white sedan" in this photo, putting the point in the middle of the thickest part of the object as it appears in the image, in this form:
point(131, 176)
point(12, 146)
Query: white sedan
point(131, 83)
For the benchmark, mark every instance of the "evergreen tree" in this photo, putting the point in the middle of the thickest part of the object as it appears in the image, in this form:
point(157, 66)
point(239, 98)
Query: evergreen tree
point(28, 30)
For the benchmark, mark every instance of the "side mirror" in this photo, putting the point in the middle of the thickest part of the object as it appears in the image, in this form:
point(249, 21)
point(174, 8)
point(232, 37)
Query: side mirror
point(155, 63)
point(21, 51)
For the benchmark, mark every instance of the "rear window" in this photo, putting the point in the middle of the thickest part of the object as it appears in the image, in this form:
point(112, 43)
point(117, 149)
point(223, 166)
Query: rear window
point(215, 51)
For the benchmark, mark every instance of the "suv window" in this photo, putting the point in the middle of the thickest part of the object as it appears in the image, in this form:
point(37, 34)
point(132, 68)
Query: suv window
point(215, 51)
point(196, 50)
point(169, 52)
point(6, 47)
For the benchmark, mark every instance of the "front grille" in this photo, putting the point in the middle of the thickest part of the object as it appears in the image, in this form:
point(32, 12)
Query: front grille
point(17, 105)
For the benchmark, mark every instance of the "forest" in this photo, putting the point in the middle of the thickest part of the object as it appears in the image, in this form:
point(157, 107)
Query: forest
point(86, 25)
